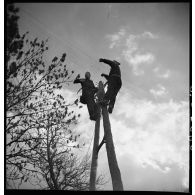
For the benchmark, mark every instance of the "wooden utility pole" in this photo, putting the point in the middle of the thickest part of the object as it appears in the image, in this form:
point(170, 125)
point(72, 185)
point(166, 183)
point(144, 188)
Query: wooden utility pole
point(94, 162)
point(112, 161)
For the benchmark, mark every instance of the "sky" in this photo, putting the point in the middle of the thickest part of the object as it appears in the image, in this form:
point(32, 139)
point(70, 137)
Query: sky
point(150, 121)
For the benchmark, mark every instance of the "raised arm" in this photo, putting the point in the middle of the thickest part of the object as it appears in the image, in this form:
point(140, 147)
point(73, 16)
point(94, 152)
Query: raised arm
point(78, 81)
point(109, 62)
point(105, 75)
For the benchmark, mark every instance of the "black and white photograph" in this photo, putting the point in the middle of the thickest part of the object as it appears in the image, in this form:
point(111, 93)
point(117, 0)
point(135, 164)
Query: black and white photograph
point(98, 96)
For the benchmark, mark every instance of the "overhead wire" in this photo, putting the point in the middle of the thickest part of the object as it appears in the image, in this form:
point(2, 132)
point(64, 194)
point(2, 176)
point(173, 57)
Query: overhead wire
point(75, 49)
point(68, 44)
point(75, 54)
point(74, 57)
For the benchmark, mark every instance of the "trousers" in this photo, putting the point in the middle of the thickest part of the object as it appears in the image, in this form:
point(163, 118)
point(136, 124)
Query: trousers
point(114, 85)
point(92, 108)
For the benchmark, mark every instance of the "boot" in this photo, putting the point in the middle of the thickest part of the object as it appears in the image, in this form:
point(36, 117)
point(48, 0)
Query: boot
point(94, 117)
point(110, 108)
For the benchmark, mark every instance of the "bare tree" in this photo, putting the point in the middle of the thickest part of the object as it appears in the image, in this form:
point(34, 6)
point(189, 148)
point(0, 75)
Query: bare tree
point(39, 141)
point(52, 163)
point(30, 93)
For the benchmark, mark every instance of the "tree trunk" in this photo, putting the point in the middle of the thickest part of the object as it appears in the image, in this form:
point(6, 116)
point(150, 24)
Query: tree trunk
point(51, 171)
point(112, 161)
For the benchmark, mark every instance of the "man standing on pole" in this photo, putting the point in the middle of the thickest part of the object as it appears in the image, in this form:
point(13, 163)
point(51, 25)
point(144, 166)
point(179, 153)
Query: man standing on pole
point(114, 83)
point(88, 92)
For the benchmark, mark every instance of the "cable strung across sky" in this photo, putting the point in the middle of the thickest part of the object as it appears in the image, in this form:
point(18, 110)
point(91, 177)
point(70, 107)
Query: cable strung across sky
point(74, 48)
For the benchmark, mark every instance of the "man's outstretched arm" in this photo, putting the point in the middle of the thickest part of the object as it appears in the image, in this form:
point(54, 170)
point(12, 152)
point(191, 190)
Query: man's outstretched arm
point(78, 81)
point(109, 62)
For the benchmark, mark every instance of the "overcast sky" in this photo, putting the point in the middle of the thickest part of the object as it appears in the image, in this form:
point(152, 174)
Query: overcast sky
point(150, 121)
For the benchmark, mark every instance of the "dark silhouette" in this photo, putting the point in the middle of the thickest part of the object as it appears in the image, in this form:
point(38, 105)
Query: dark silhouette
point(114, 83)
point(87, 97)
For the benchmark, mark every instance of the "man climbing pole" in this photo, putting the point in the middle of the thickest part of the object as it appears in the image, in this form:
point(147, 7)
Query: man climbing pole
point(87, 97)
point(114, 83)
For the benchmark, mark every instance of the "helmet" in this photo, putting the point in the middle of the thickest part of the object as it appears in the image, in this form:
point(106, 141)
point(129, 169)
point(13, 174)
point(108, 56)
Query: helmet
point(87, 75)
